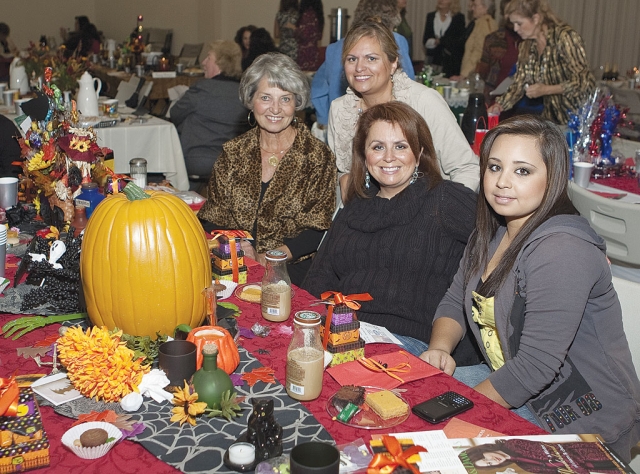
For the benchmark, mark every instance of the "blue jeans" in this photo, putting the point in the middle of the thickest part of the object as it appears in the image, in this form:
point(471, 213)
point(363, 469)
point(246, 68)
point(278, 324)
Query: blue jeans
point(470, 375)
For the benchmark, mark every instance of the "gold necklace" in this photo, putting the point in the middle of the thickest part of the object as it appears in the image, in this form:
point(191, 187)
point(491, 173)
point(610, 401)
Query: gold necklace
point(274, 160)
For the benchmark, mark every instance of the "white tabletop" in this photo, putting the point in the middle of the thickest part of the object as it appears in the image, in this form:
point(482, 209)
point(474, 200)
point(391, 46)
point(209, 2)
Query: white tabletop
point(155, 140)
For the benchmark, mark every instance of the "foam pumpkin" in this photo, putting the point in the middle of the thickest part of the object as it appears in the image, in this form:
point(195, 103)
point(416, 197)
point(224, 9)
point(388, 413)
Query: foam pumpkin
point(144, 263)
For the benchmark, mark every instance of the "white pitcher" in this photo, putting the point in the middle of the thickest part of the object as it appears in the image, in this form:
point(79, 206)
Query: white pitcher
point(88, 95)
point(18, 77)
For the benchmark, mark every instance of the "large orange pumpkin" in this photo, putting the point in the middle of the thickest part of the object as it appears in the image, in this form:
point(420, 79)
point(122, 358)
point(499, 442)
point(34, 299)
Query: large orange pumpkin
point(144, 264)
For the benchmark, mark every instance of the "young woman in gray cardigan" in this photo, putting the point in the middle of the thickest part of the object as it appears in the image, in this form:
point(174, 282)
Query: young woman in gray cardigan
point(535, 287)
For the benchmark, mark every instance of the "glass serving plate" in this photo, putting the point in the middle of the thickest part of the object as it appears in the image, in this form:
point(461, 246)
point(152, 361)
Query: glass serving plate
point(366, 418)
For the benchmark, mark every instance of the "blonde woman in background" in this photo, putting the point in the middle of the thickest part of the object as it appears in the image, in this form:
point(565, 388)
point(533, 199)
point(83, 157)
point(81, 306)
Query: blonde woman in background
point(483, 12)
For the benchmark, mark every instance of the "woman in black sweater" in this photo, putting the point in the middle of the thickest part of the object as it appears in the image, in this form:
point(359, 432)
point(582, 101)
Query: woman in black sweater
point(402, 232)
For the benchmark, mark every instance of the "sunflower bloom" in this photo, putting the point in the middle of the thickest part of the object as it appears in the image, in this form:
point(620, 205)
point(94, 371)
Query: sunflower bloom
point(99, 365)
point(187, 406)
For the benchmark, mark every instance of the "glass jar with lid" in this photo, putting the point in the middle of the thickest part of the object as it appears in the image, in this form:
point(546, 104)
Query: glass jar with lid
point(305, 358)
point(276, 287)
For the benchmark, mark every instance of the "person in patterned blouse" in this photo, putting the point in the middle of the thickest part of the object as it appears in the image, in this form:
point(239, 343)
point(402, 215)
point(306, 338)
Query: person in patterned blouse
point(552, 62)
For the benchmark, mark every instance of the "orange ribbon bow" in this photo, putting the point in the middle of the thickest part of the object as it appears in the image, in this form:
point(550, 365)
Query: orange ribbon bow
point(350, 301)
point(9, 396)
point(231, 235)
point(378, 367)
point(386, 463)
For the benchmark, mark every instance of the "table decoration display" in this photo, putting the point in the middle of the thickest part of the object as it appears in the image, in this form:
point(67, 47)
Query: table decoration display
point(24, 443)
point(341, 317)
point(177, 359)
point(99, 364)
point(145, 263)
point(228, 258)
point(227, 356)
point(65, 70)
point(592, 129)
point(305, 358)
point(391, 453)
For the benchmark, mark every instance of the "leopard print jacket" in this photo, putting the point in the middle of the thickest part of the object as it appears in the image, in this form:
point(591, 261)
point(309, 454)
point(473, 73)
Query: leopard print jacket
point(300, 196)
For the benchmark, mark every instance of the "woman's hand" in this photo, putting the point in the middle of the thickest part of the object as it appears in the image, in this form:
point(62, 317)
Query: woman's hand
point(440, 359)
point(250, 252)
point(495, 109)
point(533, 91)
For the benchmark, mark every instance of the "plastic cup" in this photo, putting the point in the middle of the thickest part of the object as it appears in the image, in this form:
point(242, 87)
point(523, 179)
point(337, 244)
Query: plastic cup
point(8, 192)
point(582, 173)
point(178, 360)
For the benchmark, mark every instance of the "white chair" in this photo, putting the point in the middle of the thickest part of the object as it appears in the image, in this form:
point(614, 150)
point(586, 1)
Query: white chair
point(615, 221)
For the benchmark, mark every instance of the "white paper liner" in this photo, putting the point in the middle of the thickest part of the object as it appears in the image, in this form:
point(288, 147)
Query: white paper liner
point(97, 451)
point(230, 286)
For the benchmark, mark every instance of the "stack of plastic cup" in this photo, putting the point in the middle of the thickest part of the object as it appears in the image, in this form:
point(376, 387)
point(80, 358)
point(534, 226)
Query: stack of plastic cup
point(3, 248)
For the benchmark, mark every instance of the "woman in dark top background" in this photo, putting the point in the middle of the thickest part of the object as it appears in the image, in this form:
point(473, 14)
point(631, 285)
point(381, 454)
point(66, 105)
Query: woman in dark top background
point(260, 43)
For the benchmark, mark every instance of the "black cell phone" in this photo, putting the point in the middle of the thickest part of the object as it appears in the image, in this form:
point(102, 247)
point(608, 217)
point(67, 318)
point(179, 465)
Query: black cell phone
point(442, 407)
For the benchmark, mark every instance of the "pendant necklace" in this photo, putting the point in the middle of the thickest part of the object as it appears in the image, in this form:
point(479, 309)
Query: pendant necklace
point(274, 159)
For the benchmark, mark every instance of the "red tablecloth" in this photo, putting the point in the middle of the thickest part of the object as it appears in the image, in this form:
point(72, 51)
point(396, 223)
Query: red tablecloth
point(130, 457)
point(627, 184)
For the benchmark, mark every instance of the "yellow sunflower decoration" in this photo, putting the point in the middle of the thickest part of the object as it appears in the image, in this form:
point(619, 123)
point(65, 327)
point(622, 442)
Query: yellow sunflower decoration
point(99, 364)
point(187, 406)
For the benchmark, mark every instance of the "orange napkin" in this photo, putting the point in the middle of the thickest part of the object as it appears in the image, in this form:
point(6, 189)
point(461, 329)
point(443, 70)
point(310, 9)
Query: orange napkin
point(354, 373)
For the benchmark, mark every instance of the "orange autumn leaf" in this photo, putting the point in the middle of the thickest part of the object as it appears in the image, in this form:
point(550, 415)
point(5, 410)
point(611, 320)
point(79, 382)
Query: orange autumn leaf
point(108, 416)
point(47, 341)
point(263, 374)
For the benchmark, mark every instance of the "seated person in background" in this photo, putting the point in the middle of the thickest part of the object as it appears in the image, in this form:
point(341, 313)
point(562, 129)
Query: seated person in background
point(9, 147)
point(370, 59)
point(243, 38)
point(210, 112)
point(402, 231)
point(535, 288)
point(260, 42)
point(499, 55)
point(483, 11)
point(552, 63)
point(276, 181)
point(85, 40)
point(330, 82)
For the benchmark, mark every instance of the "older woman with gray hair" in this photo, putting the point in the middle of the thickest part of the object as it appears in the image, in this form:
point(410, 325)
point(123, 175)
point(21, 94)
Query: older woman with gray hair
point(275, 181)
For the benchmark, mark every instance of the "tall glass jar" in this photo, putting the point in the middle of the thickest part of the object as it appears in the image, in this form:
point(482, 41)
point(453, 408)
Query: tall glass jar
point(305, 358)
point(276, 288)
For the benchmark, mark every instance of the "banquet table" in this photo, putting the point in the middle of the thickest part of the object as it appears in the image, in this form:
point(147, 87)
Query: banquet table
point(155, 140)
point(111, 79)
point(130, 457)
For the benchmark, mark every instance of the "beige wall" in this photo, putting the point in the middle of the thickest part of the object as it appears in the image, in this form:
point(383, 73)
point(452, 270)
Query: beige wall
point(609, 27)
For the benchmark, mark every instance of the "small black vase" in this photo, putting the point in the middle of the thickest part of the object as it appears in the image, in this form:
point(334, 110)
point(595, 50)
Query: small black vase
point(475, 109)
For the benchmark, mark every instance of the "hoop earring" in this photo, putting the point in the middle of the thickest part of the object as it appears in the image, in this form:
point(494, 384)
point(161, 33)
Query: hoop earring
point(367, 180)
point(295, 121)
point(249, 119)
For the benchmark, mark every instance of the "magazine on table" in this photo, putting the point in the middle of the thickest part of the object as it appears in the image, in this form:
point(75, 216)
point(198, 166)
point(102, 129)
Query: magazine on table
point(540, 454)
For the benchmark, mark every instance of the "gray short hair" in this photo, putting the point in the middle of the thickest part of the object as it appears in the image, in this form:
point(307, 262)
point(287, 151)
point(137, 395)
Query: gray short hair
point(282, 72)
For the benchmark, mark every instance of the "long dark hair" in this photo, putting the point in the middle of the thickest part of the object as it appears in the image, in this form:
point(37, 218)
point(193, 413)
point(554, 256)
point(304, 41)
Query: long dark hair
point(552, 146)
point(315, 5)
point(286, 5)
point(240, 34)
point(416, 132)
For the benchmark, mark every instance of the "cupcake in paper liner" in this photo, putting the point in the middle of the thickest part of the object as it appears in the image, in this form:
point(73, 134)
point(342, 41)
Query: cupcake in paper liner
point(228, 290)
point(71, 439)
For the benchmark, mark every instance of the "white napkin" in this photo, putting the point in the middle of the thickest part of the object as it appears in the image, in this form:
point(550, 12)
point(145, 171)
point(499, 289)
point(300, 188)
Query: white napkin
point(153, 384)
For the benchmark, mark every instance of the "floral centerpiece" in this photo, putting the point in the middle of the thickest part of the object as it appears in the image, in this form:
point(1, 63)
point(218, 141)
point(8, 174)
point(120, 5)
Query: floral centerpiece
point(65, 71)
point(58, 154)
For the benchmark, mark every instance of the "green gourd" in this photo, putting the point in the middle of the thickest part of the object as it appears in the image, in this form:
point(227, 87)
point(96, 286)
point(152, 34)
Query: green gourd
point(211, 382)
